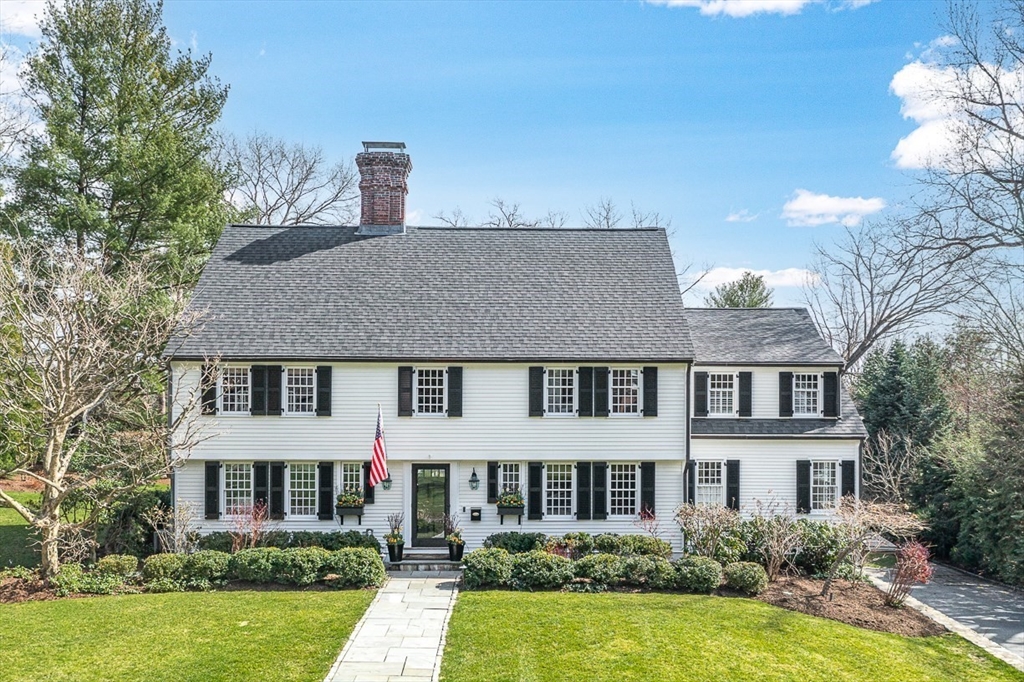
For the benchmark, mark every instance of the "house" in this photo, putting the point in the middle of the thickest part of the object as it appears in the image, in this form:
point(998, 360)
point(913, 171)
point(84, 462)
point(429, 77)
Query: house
point(558, 361)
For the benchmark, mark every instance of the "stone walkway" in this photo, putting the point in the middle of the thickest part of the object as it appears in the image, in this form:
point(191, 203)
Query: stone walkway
point(401, 635)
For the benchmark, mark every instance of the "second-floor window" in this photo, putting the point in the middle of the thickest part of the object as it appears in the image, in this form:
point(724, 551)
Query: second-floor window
point(430, 390)
point(301, 387)
point(805, 394)
point(234, 390)
point(561, 391)
point(720, 394)
point(625, 384)
point(710, 488)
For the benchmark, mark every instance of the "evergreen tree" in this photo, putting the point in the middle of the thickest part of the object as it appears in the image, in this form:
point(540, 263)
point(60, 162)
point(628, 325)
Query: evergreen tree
point(749, 291)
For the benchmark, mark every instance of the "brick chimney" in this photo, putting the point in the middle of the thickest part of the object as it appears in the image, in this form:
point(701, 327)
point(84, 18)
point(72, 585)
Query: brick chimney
point(383, 173)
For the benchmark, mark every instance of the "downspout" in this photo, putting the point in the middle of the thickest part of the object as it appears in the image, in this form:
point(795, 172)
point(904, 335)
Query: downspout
point(686, 464)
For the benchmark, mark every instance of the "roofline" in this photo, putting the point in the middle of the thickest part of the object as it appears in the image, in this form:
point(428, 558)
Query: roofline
point(475, 227)
point(370, 358)
point(771, 436)
point(804, 308)
point(707, 363)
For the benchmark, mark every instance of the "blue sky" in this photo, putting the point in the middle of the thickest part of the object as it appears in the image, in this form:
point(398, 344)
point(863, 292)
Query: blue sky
point(689, 111)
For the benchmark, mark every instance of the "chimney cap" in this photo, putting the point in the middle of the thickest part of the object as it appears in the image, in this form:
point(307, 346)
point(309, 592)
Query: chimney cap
point(367, 146)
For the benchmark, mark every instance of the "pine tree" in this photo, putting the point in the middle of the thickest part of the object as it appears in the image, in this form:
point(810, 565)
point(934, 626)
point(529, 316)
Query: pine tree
point(749, 291)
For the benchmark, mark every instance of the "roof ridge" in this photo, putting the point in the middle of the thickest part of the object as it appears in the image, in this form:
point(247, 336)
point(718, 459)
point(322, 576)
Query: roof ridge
point(481, 228)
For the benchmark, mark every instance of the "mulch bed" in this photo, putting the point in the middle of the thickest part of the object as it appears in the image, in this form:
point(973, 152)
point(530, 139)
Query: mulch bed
point(16, 590)
point(852, 602)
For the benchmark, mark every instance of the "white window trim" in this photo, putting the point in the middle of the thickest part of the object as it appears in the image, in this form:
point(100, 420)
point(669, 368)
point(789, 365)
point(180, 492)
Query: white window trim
point(284, 392)
point(696, 483)
point(416, 390)
point(572, 492)
point(339, 481)
point(501, 476)
point(288, 491)
point(639, 394)
point(220, 393)
point(575, 411)
point(735, 397)
point(224, 485)
point(636, 491)
point(821, 407)
point(839, 486)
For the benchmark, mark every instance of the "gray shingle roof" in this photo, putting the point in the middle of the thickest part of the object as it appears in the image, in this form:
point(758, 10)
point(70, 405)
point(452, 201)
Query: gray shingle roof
point(757, 336)
point(849, 426)
point(440, 294)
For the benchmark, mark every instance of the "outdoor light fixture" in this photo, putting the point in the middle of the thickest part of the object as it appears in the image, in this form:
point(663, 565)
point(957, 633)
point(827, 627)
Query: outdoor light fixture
point(474, 481)
point(386, 483)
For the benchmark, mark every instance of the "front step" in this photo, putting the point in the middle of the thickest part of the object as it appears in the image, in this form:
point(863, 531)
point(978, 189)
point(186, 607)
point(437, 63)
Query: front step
point(424, 564)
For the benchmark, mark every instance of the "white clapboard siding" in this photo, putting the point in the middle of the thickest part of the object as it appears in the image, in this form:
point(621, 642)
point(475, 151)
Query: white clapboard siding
point(495, 424)
point(764, 385)
point(768, 466)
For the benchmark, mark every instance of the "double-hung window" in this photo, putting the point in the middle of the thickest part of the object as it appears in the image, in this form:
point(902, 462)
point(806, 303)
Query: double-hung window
point(558, 489)
point(351, 476)
point(234, 390)
point(622, 489)
point(710, 484)
point(430, 390)
point(561, 391)
point(625, 385)
point(720, 394)
point(302, 489)
point(805, 395)
point(237, 488)
point(508, 477)
point(301, 388)
point(824, 485)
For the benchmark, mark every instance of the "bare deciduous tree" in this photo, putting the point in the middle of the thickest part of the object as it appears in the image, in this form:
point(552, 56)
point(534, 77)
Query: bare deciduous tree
point(706, 527)
point(778, 535)
point(175, 527)
point(80, 354)
point(276, 183)
point(456, 219)
point(508, 215)
point(15, 119)
point(602, 215)
point(887, 466)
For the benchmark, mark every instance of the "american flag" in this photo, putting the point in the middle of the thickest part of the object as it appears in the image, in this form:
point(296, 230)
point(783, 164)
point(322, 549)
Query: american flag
point(379, 461)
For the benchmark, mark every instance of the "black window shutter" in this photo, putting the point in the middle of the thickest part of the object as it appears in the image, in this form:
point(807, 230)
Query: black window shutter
point(647, 488)
point(600, 391)
point(258, 376)
point(492, 482)
point(208, 384)
point(369, 491)
point(803, 486)
point(323, 391)
point(650, 380)
point(405, 391)
point(732, 484)
point(746, 394)
point(454, 391)
point(274, 389)
point(831, 394)
point(536, 391)
point(599, 510)
point(277, 490)
point(691, 482)
point(325, 492)
point(261, 484)
point(535, 496)
point(849, 484)
point(583, 490)
point(586, 391)
point(785, 394)
point(212, 490)
point(700, 394)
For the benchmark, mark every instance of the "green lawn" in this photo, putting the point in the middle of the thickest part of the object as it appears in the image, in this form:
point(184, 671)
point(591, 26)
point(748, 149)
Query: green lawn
point(561, 637)
point(16, 543)
point(192, 636)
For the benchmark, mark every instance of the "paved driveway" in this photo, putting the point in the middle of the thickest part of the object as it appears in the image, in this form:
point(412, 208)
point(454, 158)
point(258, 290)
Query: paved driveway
point(989, 609)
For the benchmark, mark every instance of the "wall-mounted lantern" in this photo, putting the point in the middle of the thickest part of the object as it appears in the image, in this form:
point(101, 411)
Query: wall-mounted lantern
point(474, 481)
point(386, 483)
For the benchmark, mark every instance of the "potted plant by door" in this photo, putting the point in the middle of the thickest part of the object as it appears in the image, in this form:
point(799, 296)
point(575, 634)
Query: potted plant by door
point(396, 543)
point(511, 502)
point(453, 534)
point(350, 503)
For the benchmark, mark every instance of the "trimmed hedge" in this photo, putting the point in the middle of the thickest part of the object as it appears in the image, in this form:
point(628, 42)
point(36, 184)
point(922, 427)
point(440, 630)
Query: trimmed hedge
point(654, 572)
point(332, 541)
point(159, 566)
point(487, 568)
point(540, 570)
point(514, 542)
point(698, 574)
point(354, 567)
point(632, 545)
point(123, 565)
point(603, 569)
point(746, 577)
point(302, 565)
point(206, 564)
point(257, 565)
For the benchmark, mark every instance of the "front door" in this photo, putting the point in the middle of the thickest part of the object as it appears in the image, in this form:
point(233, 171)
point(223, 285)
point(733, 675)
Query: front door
point(429, 504)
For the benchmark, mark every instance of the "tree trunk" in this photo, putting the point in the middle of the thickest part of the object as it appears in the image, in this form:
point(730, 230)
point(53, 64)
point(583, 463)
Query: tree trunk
point(49, 555)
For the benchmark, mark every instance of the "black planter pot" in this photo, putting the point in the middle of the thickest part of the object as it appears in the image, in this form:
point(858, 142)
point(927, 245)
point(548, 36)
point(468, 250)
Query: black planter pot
point(455, 551)
point(395, 552)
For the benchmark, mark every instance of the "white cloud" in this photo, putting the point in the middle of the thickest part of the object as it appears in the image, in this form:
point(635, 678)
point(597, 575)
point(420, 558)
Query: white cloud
point(21, 17)
point(414, 217)
point(788, 277)
point(741, 216)
point(746, 8)
point(918, 85)
point(807, 209)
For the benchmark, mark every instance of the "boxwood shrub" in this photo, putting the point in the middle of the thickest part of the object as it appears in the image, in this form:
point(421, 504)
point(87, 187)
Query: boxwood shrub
point(698, 574)
point(540, 570)
point(608, 543)
point(118, 564)
point(333, 541)
point(516, 543)
point(206, 564)
point(159, 566)
point(820, 544)
point(645, 545)
point(487, 568)
point(354, 567)
point(654, 572)
point(603, 569)
point(746, 577)
point(257, 565)
point(301, 565)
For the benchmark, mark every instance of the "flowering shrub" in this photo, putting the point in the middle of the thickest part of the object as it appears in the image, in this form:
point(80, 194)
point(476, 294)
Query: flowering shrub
point(912, 568)
point(698, 574)
point(487, 568)
point(746, 577)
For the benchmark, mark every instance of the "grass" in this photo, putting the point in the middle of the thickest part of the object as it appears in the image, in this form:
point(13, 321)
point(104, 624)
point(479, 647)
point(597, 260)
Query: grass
point(16, 541)
point(190, 636)
point(553, 636)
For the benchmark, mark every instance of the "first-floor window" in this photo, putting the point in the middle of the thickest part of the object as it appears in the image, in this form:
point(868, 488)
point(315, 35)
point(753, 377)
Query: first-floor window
point(622, 489)
point(302, 489)
point(234, 390)
point(301, 390)
point(509, 477)
point(558, 489)
point(430, 391)
point(351, 476)
point(237, 488)
point(824, 485)
point(561, 391)
point(710, 488)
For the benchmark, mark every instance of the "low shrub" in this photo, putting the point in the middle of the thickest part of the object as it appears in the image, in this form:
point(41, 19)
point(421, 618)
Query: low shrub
point(332, 541)
point(746, 577)
point(219, 541)
point(160, 566)
point(487, 568)
point(354, 567)
point(118, 564)
point(644, 545)
point(19, 572)
point(602, 569)
point(163, 585)
point(516, 543)
point(258, 565)
point(654, 572)
point(579, 544)
point(73, 579)
point(540, 570)
point(206, 564)
point(820, 545)
point(698, 574)
point(301, 565)
point(608, 543)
